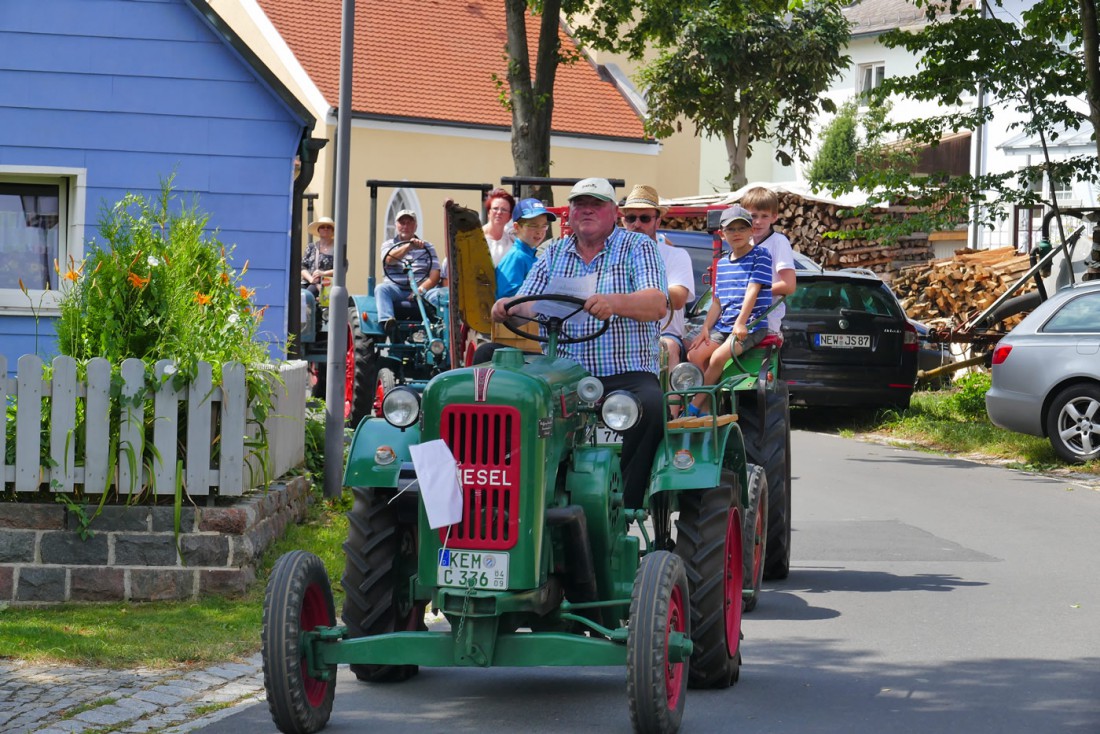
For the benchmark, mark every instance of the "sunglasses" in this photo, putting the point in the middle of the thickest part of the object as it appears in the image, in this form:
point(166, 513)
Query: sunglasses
point(643, 218)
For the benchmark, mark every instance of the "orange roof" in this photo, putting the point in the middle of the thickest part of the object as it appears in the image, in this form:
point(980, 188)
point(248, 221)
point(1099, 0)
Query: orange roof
point(434, 61)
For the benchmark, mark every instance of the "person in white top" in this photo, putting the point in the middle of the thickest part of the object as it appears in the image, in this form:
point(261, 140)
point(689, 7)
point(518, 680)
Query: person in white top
point(499, 231)
point(763, 205)
point(641, 211)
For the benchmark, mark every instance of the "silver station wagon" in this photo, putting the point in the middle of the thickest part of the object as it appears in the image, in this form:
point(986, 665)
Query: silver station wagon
point(1046, 374)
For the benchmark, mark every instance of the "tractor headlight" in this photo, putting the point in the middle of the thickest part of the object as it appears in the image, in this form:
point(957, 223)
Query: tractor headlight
point(401, 407)
point(621, 411)
point(437, 346)
point(589, 389)
point(685, 376)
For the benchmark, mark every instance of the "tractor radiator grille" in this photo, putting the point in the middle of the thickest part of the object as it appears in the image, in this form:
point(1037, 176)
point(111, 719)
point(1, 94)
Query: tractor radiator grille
point(485, 442)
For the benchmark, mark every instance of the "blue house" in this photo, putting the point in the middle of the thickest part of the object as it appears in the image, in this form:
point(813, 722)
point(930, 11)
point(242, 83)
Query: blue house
point(103, 97)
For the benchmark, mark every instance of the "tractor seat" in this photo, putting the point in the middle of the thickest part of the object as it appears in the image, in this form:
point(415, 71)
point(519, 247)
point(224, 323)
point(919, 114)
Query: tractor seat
point(771, 340)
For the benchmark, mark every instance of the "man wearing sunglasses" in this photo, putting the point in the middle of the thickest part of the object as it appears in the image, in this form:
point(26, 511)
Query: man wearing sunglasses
point(641, 211)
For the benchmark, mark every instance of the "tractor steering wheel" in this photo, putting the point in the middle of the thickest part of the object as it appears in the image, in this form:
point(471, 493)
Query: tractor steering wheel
point(411, 258)
point(554, 325)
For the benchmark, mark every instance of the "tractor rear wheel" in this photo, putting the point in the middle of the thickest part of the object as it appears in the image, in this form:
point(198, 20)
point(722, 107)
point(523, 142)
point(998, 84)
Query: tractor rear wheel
point(362, 372)
point(380, 563)
point(708, 539)
point(298, 599)
point(659, 606)
point(767, 445)
point(755, 534)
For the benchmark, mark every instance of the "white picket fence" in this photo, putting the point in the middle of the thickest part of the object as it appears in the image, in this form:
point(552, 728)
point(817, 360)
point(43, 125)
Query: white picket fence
point(221, 451)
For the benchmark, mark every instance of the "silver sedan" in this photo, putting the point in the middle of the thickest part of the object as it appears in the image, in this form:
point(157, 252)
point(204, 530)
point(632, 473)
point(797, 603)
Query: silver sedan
point(1046, 374)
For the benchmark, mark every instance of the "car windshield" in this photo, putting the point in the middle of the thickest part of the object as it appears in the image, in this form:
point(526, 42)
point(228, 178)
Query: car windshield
point(851, 296)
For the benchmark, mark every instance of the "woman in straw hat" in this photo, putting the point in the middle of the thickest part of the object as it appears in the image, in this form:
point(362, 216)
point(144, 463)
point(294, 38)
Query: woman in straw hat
point(318, 261)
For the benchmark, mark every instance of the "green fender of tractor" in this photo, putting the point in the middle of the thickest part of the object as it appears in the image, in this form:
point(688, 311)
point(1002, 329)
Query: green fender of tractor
point(373, 434)
point(694, 458)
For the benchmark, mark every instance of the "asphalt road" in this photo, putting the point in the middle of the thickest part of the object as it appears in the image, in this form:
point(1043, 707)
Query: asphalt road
point(926, 594)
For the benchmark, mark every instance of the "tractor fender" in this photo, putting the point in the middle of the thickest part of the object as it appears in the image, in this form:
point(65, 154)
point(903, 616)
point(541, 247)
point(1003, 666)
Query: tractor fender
point(363, 468)
point(368, 315)
point(711, 452)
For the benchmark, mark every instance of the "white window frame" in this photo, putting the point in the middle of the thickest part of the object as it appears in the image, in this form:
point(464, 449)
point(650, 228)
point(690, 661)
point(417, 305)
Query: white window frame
point(72, 186)
point(877, 70)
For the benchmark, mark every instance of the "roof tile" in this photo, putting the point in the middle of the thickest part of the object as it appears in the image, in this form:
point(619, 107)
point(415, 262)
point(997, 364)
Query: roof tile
point(434, 60)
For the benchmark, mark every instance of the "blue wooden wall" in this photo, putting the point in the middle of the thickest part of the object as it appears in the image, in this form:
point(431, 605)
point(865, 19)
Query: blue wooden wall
point(131, 91)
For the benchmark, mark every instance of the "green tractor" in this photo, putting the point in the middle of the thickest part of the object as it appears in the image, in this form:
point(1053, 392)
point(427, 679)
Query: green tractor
point(545, 565)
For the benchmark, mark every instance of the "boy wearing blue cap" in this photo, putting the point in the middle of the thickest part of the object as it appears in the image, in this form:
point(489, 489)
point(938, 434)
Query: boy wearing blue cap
point(742, 293)
point(532, 222)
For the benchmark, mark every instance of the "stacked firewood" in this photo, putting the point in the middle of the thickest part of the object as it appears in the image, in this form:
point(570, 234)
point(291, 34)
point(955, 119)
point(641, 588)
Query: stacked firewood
point(807, 221)
point(949, 291)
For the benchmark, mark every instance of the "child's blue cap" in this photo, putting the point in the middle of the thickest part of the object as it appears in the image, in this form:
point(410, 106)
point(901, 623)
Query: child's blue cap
point(530, 208)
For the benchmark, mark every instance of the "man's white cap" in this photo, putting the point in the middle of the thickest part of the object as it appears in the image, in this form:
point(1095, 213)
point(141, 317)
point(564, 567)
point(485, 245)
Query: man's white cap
point(600, 188)
point(405, 213)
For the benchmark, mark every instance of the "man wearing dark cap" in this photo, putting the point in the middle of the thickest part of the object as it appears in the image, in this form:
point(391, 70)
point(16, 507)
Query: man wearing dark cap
point(404, 249)
point(628, 287)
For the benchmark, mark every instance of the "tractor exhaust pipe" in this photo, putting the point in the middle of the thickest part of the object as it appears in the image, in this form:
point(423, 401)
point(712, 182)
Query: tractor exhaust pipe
point(581, 584)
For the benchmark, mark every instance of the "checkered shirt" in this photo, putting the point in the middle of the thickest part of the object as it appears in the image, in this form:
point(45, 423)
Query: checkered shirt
point(628, 263)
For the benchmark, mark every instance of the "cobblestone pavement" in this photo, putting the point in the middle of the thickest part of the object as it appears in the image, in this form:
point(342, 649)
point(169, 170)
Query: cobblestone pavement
point(59, 699)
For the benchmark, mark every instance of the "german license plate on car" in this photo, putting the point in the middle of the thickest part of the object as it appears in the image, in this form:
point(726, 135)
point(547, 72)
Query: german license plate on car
point(606, 435)
point(843, 341)
point(472, 569)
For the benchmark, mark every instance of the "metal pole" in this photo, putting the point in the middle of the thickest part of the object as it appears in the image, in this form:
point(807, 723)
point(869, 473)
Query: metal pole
point(338, 297)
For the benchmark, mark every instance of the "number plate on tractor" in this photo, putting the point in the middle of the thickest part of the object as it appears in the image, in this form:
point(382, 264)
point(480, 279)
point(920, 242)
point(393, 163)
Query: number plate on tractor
point(843, 341)
point(472, 569)
point(606, 435)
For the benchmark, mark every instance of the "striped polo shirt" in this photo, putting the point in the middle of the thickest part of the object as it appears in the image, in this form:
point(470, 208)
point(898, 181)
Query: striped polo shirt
point(731, 282)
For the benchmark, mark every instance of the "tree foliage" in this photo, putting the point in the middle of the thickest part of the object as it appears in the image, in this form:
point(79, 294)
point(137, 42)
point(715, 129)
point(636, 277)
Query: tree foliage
point(1033, 71)
point(834, 166)
point(748, 77)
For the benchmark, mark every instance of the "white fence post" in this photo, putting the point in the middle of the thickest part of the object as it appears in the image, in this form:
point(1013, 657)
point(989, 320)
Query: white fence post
point(97, 426)
point(7, 474)
point(63, 396)
point(234, 405)
point(131, 434)
point(199, 397)
point(28, 424)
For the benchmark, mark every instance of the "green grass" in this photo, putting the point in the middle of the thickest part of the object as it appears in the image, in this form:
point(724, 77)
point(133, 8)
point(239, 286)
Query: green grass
point(168, 634)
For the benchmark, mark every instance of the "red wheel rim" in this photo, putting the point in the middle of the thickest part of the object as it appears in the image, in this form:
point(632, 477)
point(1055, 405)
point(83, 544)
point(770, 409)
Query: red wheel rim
point(313, 614)
point(349, 375)
point(734, 581)
point(674, 672)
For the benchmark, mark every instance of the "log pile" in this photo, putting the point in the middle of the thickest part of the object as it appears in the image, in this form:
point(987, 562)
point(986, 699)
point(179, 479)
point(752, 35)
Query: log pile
point(806, 222)
point(947, 292)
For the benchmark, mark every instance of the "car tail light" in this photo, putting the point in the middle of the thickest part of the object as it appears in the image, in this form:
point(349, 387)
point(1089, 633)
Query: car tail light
point(909, 342)
point(1000, 354)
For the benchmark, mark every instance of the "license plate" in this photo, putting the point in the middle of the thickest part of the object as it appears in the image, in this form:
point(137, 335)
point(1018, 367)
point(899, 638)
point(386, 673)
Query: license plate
point(472, 569)
point(843, 341)
point(606, 435)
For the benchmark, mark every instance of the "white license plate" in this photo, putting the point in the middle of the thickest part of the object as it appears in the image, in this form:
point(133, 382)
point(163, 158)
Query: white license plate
point(472, 569)
point(843, 341)
point(606, 435)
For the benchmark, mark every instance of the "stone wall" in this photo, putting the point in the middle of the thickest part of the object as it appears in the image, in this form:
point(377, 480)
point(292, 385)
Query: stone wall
point(132, 554)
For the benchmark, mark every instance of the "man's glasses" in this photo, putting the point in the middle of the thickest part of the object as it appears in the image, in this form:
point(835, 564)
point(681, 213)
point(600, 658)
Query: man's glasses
point(643, 218)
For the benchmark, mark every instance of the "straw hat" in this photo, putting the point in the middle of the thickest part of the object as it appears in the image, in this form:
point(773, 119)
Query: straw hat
point(644, 197)
point(316, 225)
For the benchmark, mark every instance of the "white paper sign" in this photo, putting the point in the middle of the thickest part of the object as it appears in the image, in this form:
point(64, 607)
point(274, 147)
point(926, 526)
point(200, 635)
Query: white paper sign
point(581, 288)
point(437, 473)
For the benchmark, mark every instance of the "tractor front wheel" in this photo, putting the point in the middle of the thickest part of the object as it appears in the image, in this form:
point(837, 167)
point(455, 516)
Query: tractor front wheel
point(659, 606)
point(380, 563)
point(298, 599)
point(755, 534)
point(709, 542)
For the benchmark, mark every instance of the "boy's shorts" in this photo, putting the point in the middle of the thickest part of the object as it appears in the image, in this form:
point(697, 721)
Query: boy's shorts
point(754, 338)
point(678, 339)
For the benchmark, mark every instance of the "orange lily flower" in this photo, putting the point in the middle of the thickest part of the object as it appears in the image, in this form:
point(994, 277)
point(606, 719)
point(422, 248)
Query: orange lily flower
point(202, 299)
point(246, 292)
point(136, 280)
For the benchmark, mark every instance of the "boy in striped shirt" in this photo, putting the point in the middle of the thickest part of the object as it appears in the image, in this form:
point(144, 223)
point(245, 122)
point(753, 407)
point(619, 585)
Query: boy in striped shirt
point(742, 293)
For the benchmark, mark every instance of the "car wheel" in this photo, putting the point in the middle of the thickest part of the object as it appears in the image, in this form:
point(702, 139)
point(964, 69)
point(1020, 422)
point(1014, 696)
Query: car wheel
point(1073, 423)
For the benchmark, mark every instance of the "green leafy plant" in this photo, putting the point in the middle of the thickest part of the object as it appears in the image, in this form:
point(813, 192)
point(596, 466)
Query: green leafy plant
point(968, 400)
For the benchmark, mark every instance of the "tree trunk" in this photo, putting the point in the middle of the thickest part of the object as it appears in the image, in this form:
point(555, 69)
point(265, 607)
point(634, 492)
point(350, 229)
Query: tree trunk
point(737, 151)
point(532, 100)
point(1090, 37)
